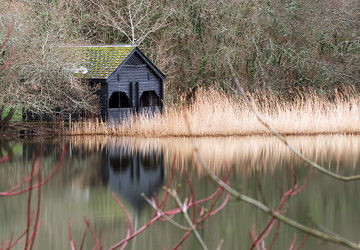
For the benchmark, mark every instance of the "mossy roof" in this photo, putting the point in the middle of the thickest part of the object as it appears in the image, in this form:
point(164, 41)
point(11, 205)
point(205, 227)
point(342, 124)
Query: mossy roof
point(96, 62)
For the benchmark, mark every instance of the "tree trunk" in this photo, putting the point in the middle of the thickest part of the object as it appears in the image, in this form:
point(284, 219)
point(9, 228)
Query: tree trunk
point(4, 122)
point(1, 110)
point(9, 115)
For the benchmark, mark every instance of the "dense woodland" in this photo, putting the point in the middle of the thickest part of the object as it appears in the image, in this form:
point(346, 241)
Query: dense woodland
point(286, 47)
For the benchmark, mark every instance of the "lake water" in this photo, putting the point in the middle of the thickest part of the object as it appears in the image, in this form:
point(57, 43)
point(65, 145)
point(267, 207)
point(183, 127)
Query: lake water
point(96, 167)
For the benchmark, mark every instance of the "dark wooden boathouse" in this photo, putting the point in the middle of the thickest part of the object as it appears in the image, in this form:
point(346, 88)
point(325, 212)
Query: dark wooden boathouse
point(129, 81)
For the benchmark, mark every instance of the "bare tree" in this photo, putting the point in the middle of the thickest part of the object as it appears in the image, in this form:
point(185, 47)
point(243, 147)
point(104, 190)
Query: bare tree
point(135, 19)
point(7, 38)
point(35, 80)
point(6, 64)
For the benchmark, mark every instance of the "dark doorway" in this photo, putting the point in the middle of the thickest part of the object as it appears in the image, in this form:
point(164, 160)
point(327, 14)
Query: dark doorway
point(119, 100)
point(149, 99)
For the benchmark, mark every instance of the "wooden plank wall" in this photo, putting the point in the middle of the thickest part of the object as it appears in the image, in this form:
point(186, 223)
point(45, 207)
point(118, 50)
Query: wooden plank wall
point(133, 79)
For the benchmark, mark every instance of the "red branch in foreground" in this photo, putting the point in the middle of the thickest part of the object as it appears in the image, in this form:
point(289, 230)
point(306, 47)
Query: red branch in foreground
point(6, 65)
point(268, 228)
point(172, 212)
point(16, 189)
point(167, 215)
point(27, 236)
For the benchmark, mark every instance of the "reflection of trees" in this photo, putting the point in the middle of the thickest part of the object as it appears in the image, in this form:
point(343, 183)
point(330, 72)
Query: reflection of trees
point(5, 149)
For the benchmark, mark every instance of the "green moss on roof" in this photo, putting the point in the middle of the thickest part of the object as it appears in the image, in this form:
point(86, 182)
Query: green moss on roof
point(96, 61)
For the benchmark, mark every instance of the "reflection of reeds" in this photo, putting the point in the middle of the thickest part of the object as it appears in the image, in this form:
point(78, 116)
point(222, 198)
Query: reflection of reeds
point(246, 153)
point(216, 114)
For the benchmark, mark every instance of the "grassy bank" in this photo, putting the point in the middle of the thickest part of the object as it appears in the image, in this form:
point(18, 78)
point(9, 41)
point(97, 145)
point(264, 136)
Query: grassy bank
point(216, 114)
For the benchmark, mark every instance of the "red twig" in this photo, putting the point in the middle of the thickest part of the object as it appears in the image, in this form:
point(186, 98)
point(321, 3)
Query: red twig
point(17, 240)
point(7, 38)
point(126, 213)
point(29, 203)
point(139, 231)
point(185, 236)
point(218, 194)
point(192, 203)
point(36, 229)
point(169, 184)
point(302, 242)
point(6, 65)
point(221, 206)
point(72, 243)
point(4, 159)
point(97, 243)
point(30, 239)
point(11, 239)
point(83, 240)
point(212, 206)
point(293, 243)
point(127, 235)
point(192, 196)
point(263, 233)
point(284, 198)
point(13, 192)
point(276, 235)
point(253, 236)
point(129, 222)
point(303, 186)
point(38, 205)
point(100, 240)
point(8, 35)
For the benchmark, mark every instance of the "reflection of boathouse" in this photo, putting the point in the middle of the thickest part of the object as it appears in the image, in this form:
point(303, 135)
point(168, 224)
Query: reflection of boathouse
point(132, 173)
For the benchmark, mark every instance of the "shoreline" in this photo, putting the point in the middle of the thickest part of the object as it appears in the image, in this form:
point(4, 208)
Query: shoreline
point(14, 132)
point(265, 134)
point(215, 114)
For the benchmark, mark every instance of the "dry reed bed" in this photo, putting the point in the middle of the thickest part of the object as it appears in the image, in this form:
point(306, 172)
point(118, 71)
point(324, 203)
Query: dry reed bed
point(216, 114)
point(247, 153)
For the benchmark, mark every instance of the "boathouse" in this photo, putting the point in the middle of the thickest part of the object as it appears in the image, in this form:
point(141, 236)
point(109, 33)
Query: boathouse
point(129, 82)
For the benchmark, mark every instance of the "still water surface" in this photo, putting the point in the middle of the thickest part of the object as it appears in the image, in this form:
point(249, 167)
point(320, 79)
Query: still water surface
point(95, 167)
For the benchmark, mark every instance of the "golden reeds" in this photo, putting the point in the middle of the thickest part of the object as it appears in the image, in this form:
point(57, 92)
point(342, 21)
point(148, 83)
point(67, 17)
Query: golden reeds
point(216, 114)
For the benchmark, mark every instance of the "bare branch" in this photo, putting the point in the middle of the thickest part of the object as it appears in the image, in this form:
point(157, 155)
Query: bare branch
point(12, 55)
point(134, 20)
point(241, 197)
point(187, 218)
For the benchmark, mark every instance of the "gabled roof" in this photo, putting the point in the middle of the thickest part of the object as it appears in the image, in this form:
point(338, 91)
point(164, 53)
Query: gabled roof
point(130, 62)
point(96, 61)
